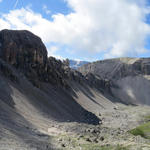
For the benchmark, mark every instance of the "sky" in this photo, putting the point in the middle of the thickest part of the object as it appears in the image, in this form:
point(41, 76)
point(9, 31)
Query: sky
point(83, 29)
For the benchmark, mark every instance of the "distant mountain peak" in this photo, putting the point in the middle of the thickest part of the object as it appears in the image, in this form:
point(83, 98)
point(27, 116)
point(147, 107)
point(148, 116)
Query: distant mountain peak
point(77, 63)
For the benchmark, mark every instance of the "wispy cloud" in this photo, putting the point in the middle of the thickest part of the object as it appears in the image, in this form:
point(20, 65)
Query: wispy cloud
point(46, 10)
point(16, 3)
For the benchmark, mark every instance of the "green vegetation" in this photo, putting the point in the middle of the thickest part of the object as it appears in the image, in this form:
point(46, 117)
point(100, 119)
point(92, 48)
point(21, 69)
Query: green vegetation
point(147, 118)
point(142, 130)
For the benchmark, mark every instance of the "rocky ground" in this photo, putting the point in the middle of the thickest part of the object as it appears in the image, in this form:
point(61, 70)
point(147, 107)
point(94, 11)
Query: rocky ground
point(112, 134)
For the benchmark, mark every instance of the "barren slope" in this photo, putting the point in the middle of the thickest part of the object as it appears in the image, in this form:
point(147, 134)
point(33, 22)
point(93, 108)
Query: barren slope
point(35, 93)
point(129, 78)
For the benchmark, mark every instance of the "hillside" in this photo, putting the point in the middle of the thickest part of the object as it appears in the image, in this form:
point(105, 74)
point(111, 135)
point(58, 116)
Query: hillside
point(129, 78)
point(45, 104)
point(35, 91)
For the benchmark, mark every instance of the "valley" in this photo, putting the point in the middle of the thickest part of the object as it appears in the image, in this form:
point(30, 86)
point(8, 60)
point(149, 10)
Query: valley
point(46, 105)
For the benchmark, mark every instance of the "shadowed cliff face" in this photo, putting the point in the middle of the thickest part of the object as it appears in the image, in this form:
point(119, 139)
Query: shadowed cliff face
point(26, 52)
point(22, 48)
point(23, 53)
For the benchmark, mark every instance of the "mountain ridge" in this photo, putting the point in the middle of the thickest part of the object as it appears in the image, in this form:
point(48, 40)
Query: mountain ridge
point(124, 74)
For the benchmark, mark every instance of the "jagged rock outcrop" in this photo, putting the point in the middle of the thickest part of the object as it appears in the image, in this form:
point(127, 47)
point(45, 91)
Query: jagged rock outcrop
point(98, 82)
point(22, 49)
point(23, 54)
point(26, 52)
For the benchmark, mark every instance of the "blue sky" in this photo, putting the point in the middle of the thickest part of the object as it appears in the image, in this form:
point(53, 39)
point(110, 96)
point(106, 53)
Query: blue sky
point(83, 29)
point(55, 6)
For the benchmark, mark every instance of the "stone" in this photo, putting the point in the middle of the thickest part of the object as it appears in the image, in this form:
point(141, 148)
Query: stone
point(102, 138)
point(95, 140)
point(88, 139)
point(63, 145)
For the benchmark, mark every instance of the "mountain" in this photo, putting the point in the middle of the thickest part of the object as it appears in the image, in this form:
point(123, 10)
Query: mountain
point(129, 78)
point(45, 104)
point(35, 91)
point(77, 63)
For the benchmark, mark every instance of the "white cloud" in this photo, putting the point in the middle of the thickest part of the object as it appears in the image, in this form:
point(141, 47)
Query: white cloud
point(52, 50)
point(116, 28)
point(47, 11)
point(1, 0)
point(4, 24)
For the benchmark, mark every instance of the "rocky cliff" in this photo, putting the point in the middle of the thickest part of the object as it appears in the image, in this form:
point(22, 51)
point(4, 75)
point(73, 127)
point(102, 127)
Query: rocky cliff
point(118, 68)
point(22, 49)
point(27, 53)
point(129, 78)
point(24, 56)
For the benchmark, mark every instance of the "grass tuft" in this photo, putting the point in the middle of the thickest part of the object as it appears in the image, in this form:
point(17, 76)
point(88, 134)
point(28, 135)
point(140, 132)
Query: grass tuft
point(142, 130)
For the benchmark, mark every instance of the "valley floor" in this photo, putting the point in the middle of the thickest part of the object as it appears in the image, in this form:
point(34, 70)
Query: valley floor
point(112, 134)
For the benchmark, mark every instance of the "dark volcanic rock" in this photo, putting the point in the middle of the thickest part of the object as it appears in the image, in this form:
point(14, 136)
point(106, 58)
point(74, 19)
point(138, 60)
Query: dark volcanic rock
point(22, 48)
point(25, 53)
point(7, 71)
